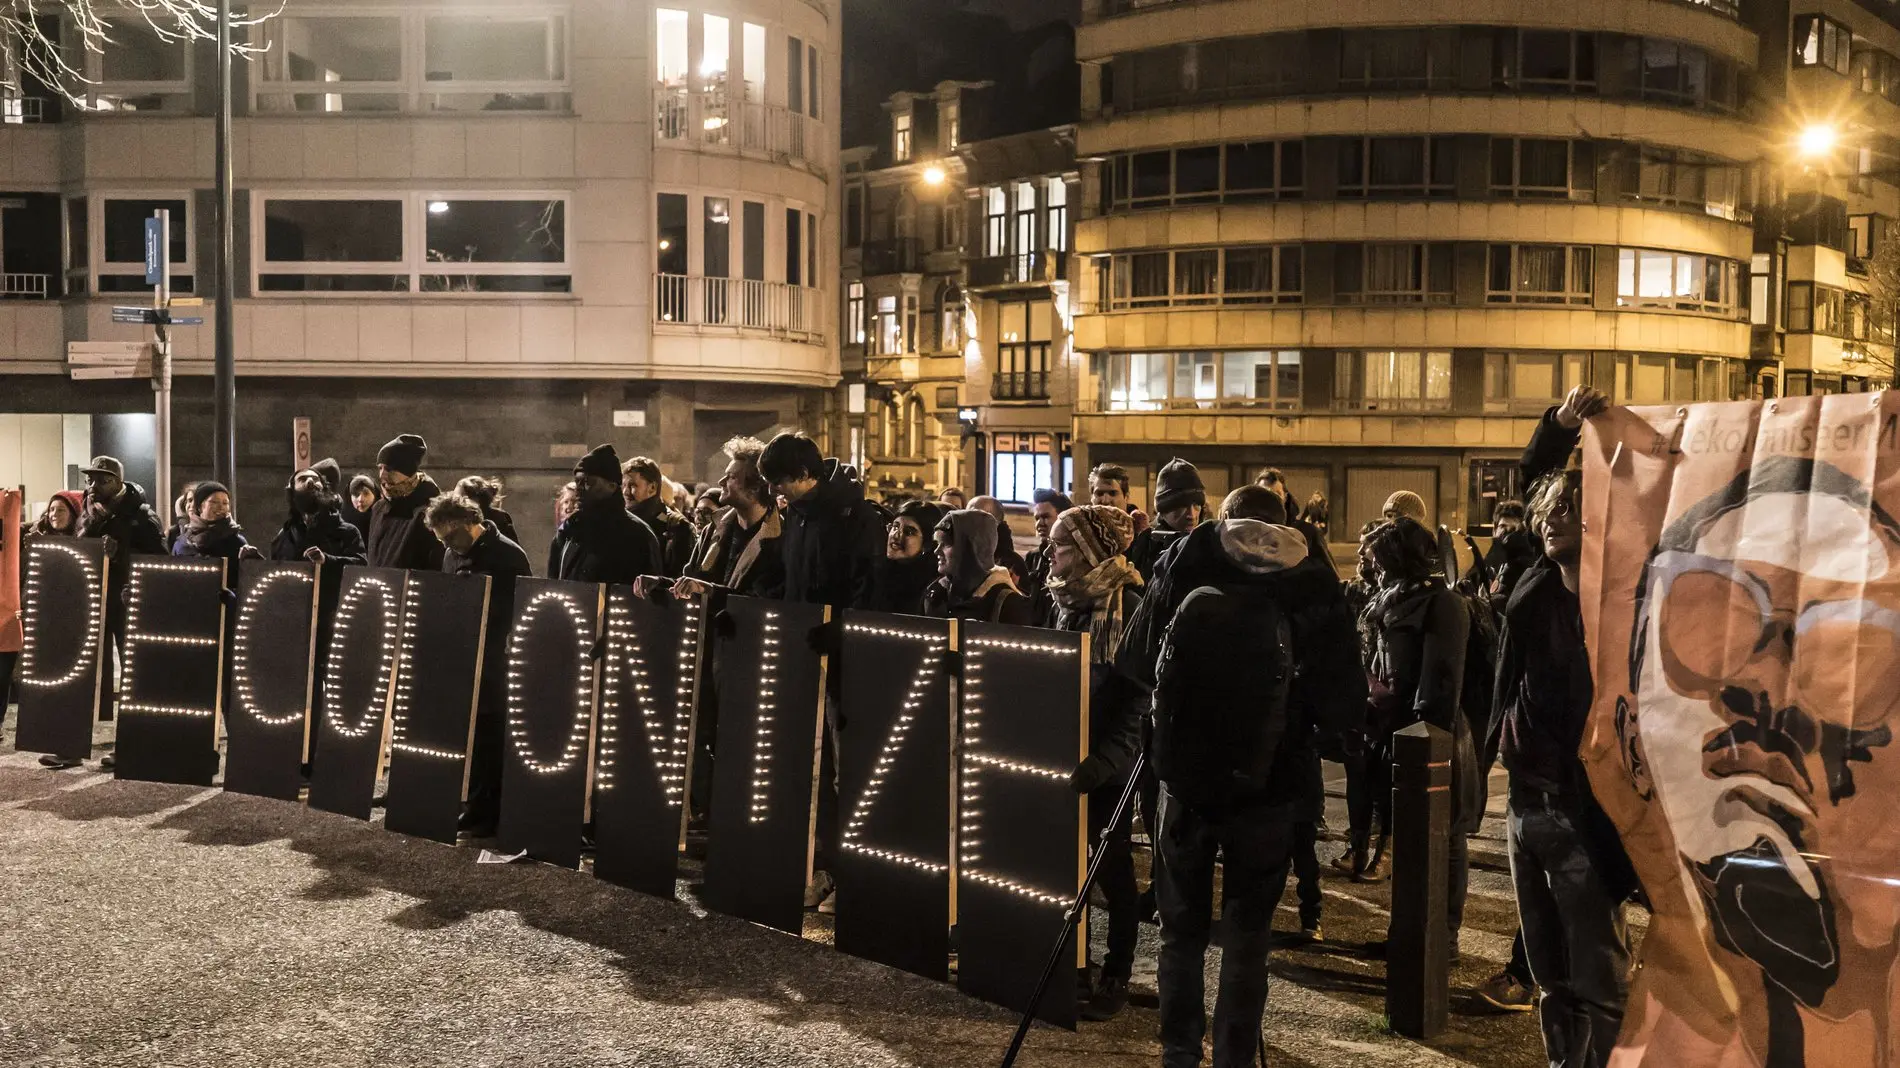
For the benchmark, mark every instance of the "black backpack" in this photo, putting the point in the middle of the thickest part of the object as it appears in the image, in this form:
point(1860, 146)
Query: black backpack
point(1220, 697)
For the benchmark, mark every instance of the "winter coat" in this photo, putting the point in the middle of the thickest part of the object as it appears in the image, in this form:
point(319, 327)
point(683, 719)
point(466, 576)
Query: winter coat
point(603, 542)
point(1327, 697)
point(1418, 670)
point(674, 531)
point(995, 601)
point(398, 534)
point(1114, 733)
point(222, 540)
point(133, 527)
point(325, 531)
point(1042, 606)
point(832, 540)
point(1145, 551)
point(899, 585)
point(746, 562)
point(504, 523)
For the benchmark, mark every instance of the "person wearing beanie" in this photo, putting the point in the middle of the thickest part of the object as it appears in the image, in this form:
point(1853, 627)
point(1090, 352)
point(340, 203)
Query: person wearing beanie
point(398, 535)
point(315, 529)
point(1404, 503)
point(61, 517)
point(363, 495)
point(1180, 500)
point(972, 585)
point(210, 531)
point(602, 541)
point(1096, 591)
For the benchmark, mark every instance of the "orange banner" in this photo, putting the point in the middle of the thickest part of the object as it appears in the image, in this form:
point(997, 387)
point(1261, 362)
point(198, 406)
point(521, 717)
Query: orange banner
point(11, 505)
point(1741, 592)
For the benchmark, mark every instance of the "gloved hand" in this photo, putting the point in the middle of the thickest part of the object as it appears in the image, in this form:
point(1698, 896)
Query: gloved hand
point(1091, 773)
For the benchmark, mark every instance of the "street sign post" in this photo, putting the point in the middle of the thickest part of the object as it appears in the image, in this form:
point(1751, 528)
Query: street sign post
point(96, 360)
point(156, 251)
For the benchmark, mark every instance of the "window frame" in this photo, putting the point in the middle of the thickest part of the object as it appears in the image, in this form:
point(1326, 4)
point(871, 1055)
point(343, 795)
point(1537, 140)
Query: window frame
point(1351, 376)
point(183, 273)
point(415, 265)
point(1439, 150)
point(1115, 275)
point(96, 86)
point(1734, 307)
point(1571, 368)
point(413, 88)
point(1517, 189)
point(1118, 178)
point(1833, 41)
point(1114, 368)
point(1579, 262)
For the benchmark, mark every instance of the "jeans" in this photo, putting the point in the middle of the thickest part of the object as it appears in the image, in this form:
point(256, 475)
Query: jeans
point(1306, 871)
point(1574, 935)
point(1254, 848)
point(1117, 880)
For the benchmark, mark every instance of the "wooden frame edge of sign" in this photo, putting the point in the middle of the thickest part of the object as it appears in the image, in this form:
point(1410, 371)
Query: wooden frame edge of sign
point(99, 649)
point(227, 574)
point(699, 617)
point(817, 757)
point(596, 655)
point(1082, 807)
point(953, 692)
point(475, 700)
point(310, 663)
point(389, 687)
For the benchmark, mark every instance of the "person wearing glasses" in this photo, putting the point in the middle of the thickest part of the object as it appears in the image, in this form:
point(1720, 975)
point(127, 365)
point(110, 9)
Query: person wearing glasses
point(908, 566)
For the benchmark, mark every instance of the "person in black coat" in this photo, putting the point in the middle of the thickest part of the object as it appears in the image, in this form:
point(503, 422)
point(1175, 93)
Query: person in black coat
point(1180, 499)
point(833, 536)
point(739, 549)
point(363, 495)
point(209, 531)
point(1049, 505)
point(398, 535)
point(315, 529)
point(1418, 627)
point(477, 547)
point(486, 493)
point(909, 564)
point(602, 541)
point(642, 488)
point(971, 584)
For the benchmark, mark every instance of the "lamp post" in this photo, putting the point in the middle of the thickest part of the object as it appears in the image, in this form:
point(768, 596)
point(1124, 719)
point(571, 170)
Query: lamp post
point(224, 405)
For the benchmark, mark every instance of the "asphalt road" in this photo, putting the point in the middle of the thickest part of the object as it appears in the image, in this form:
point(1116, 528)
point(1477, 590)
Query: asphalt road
point(162, 925)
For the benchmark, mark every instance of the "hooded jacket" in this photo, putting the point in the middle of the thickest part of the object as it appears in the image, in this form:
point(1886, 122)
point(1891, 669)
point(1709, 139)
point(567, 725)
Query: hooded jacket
point(398, 534)
point(325, 531)
point(1419, 632)
point(744, 561)
point(674, 531)
point(603, 542)
point(133, 527)
point(1328, 693)
point(832, 539)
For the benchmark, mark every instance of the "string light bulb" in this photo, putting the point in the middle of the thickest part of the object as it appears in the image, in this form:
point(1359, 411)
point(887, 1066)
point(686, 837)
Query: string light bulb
point(37, 558)
point(333, 712)
point(241, 645)
point(921, 683)
point(518, 733)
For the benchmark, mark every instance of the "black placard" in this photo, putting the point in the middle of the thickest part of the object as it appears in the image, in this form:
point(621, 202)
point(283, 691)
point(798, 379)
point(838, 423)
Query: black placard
point(63, 606)
point(1021, 845)
point(894, 777)
point(771, 704)
point(272, 679)
point(432, 721)
point(551, 696)
point(359, 669)
point(173, 671)
point(647, 697)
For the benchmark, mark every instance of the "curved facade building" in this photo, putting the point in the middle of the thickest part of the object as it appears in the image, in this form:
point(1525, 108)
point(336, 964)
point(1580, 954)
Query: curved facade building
point(1369, 242)
point(517, 229)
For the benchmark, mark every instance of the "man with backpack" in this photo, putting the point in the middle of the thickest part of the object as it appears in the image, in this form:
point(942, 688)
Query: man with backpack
point(1250, 654)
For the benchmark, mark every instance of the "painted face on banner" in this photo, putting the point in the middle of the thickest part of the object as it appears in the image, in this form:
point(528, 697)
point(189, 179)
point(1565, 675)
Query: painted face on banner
point(1767, 696)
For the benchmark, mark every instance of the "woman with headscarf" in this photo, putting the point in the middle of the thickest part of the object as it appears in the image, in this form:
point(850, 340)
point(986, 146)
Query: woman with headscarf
point(972, 585)
point(908, 567)
point(1095, 590)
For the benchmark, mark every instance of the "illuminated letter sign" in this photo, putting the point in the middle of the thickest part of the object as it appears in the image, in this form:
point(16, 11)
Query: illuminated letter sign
point(438, 671)
point(647, 697)
point(1022, 845)
point(893, 865)
point(272, 679)
point(771, 707)
point(358, 676)
point(63, 613)
point(551, 683)
point(173, 668)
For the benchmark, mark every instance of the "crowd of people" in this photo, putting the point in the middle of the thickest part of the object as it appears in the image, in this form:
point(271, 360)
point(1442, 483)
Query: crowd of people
point(1224, 646)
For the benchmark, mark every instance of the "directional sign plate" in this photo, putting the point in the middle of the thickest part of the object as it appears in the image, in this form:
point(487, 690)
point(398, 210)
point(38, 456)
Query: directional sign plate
point(154, 250)
point(86, 374)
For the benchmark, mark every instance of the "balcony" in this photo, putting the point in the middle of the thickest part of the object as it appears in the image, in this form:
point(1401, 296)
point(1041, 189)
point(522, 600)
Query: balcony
point(1039, 267)
point(16, 286)
point(896, 255)
point(709, 119)
point(795, 312)
point(1026, 385)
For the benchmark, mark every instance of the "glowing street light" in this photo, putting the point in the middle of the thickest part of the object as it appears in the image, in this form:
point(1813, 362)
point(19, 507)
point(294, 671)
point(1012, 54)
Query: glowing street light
point(438, 207)
point(933, 175)
point(1817, 140)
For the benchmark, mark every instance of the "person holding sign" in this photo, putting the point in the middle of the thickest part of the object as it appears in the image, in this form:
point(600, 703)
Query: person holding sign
point(398, 536)
point(602, 541)
point(739, 549)
point(315, 529)
point(209, 530)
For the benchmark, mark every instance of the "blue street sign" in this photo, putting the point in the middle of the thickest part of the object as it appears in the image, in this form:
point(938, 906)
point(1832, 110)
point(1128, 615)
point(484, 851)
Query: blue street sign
point(154, 252)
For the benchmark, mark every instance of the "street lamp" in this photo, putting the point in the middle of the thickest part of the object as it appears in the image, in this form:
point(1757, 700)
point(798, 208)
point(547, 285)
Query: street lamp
point(933, 175)
point(1817, 140)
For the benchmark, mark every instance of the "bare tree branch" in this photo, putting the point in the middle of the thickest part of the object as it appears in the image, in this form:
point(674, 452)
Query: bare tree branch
point(46, 40)
point(1883, 314)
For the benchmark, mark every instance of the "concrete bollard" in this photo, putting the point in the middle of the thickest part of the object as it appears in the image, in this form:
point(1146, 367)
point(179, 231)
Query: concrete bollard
point(1417, 987)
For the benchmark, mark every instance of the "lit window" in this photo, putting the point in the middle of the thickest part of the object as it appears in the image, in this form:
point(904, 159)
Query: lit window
point(121, 251)
point(470, 244)
point(900, 136)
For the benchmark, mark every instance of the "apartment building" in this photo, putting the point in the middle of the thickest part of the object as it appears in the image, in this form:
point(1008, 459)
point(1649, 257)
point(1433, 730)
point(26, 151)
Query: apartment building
point(956, 314)
point(518, 229)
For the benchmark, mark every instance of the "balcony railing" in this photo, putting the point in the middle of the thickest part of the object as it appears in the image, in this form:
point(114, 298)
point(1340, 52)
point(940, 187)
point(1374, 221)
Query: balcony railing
point(739, 303)
point(15, 286)
point(1020, 385)
point(21, 109)
point(709, 118)
point(1022, 268)
point(897, 255)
